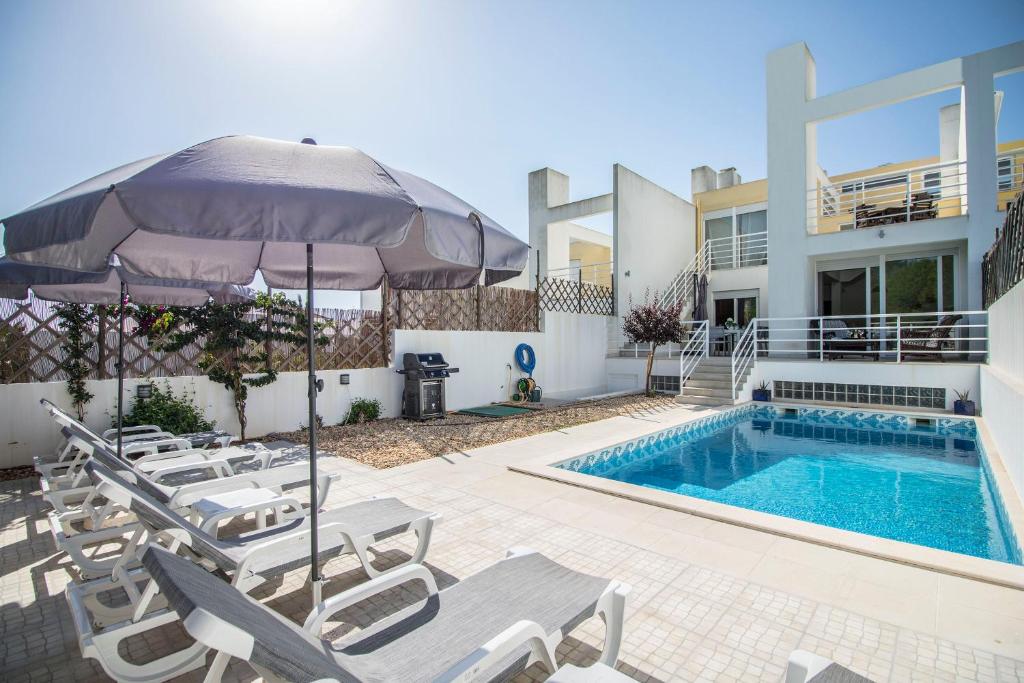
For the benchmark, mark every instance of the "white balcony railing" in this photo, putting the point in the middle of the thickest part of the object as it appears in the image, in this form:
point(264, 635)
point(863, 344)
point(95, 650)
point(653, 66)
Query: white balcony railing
point(594, 273)
point(1010, 173)
point(913, 194)
point(896, 337)
point(619, 346)
point(740, 251)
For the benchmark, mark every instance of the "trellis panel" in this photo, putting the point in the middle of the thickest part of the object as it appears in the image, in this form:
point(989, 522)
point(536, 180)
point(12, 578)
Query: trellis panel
point(574, 296)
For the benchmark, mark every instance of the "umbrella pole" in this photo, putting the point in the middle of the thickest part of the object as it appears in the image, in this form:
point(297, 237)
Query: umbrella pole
point(120, 368)
point(314, 556)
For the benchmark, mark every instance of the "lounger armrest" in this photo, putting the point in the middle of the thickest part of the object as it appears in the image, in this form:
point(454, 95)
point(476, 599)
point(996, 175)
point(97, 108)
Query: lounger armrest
point(325, 610)
point(521, 633)
point(210, 523)
point(190, 493)
point(172, 446)
point(804, 666)
point(220, 467)
point(136, 429)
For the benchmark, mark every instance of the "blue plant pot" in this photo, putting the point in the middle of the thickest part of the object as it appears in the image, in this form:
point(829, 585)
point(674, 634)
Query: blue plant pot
point(762, 394)
point(963, 408)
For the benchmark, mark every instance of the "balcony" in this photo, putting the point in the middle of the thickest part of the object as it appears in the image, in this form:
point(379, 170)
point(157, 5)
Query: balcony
point(912, 194)
point(738, 251)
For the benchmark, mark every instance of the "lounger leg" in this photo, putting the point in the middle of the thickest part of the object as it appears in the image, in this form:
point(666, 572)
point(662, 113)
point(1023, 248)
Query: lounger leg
point(612, 608)
point(423, 528)
point(217, 668)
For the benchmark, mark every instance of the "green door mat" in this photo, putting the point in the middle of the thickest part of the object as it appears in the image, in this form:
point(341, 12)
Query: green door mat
point(494, 411)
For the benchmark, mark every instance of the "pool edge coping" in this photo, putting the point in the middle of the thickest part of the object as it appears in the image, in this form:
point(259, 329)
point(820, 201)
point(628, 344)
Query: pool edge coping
point(933, 559)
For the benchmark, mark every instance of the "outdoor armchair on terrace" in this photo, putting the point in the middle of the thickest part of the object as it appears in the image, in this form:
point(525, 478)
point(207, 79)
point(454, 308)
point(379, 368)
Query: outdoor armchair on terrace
point(488, 626)
point(838, 340)
point(921, 342)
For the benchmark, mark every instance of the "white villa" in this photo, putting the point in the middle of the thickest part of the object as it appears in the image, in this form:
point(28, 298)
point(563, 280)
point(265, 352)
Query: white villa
point(804, 251)
point(651, 539)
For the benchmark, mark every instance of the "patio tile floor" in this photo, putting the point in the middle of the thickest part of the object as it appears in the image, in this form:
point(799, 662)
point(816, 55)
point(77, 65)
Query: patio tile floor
point(710, 602)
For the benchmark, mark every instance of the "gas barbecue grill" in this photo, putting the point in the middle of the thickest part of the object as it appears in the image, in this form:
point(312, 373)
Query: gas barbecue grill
point(423, 396)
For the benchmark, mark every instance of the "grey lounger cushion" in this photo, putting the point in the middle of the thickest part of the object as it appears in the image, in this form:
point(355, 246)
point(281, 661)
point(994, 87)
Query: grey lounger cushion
point(431, 638)
point(436, 634)
point(834, 673)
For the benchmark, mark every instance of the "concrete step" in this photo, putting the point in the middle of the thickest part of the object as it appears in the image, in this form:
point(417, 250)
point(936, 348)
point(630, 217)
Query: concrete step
point(711, 375)
point(717, 360)
point(717, 383)
point(718, 392)
point(702, 400)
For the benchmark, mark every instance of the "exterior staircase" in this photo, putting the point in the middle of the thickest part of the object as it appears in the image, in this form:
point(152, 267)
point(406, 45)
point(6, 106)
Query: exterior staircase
point(710, 384)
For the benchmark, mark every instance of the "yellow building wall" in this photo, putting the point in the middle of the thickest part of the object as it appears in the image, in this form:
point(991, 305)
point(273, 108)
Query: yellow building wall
point(753, 192)
point(1015, 149)
point(756, 191)
point(590, 254)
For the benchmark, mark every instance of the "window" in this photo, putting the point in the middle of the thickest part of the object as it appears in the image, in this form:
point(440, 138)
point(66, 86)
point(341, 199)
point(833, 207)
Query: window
point(741, 309)
point(752, 234)
point(1004, 173)
point(738, 240)
point(874, 183)
point(933, 183)
point(718, 231)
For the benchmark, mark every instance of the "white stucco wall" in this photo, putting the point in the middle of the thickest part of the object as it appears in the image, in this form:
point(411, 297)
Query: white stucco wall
point(1002, 382)
point(740, 280)
point(627, 374)
point(654, 236)
point(949, 376)
point(570, 360)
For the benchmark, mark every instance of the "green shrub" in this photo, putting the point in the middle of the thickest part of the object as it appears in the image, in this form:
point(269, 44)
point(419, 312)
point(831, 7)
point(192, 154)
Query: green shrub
point(363, 410)
point(174, 414)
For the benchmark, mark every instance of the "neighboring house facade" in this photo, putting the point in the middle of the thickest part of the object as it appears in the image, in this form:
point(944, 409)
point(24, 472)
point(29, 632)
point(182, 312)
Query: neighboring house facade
point(867, 247)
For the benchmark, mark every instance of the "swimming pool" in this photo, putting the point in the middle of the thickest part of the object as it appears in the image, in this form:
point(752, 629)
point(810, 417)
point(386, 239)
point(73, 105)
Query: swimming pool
point(920, 480)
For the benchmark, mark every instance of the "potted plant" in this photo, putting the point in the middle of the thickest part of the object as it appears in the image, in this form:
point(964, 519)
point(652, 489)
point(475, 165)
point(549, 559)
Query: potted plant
point(963, 405)
point(762, 392)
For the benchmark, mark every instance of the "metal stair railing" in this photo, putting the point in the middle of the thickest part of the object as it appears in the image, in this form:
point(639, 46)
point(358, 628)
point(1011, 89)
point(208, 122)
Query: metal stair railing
point(694, 351)
point(681, 287)
point(743, 355)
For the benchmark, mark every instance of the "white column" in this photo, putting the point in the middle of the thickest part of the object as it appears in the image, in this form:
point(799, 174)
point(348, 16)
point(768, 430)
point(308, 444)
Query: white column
point(547, 188)
point(792, 158)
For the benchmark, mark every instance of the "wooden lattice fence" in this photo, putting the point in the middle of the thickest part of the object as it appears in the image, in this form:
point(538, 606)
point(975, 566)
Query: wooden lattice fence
point(30, 337)
point(574, 296)
point(499, 309)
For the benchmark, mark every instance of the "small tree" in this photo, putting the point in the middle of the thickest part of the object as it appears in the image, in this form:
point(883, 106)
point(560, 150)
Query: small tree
point(651, 323)
point(76, 321)
point(234, 341)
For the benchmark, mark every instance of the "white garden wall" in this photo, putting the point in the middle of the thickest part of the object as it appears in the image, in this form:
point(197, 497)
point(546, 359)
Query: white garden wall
point(1002, 382)
point(949, 376)
point(570, 359)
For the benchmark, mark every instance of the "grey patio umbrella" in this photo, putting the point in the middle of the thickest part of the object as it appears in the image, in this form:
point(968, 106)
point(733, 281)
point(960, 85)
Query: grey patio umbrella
point(700, 297)
point(112, 286)
point(225, 208)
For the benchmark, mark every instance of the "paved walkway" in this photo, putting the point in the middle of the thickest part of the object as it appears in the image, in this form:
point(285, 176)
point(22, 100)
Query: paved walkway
point(710, 601)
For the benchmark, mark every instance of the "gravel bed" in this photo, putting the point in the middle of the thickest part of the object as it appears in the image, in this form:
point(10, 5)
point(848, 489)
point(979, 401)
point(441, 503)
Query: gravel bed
point(21, 472)
point(392, 442)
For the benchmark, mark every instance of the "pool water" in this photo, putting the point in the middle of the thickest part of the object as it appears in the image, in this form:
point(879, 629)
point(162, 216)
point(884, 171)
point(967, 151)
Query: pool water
point(870, 473)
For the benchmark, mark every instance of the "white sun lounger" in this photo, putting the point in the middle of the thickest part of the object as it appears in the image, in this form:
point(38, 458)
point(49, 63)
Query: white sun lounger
point(489, 626)
point(249, 558)
point(67, 474)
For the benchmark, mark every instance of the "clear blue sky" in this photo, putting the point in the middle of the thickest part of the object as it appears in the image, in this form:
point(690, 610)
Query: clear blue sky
point(472, 95)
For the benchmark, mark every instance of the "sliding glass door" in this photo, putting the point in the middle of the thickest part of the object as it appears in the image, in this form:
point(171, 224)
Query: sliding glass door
point(895, 284)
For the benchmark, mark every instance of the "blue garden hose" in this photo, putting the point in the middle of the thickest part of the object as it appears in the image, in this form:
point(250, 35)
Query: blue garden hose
point(526, 359)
